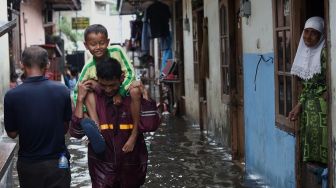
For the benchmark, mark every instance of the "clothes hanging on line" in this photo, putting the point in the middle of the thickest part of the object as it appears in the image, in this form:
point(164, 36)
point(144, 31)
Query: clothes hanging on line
point(158, 15)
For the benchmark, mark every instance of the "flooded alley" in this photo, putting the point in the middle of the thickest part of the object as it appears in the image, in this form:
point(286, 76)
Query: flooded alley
point(179, 156)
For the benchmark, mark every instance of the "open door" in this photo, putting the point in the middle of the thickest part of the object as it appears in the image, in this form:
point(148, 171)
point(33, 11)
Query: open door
point(232, 72)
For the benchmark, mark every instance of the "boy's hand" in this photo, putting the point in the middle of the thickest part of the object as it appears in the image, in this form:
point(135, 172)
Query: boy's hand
point(129, 146)
point(117, 99)
point(93, 84)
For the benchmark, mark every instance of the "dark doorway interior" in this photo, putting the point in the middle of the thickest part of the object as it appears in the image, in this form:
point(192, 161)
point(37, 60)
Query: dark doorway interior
point(314, 8)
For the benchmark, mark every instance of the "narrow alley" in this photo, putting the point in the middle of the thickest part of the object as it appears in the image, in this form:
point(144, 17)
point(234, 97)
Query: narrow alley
point(179, 156)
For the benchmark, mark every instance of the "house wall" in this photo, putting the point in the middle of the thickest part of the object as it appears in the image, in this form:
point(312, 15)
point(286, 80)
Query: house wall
point(218, 124)
point(332, 22)
point(191, 93)
point(32, 30)
point(270, 152)
point(4, 63)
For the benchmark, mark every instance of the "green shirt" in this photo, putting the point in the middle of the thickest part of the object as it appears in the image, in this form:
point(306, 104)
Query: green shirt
point(89, 70)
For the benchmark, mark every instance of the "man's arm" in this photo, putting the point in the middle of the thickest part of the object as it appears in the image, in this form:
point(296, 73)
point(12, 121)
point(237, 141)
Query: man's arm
point(75, 128)
point(67, 111)
point(9, 118)
point(84, 75)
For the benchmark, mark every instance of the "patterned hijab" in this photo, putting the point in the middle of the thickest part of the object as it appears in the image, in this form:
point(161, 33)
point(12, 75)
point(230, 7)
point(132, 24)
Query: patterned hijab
point(307, 61)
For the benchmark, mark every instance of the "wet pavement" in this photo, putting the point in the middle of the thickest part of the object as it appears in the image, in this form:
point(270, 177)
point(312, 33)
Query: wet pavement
point(179, 156)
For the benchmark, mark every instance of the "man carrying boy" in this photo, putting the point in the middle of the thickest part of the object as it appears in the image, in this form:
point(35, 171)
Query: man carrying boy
point(97, 41)
point(113, 167)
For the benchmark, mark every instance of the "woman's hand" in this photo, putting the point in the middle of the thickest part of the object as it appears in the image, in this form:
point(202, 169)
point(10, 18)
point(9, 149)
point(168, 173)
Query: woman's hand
point(294, 113)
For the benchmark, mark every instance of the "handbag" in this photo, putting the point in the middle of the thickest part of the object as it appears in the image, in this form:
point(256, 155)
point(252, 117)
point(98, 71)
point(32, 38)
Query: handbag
point(149, 116)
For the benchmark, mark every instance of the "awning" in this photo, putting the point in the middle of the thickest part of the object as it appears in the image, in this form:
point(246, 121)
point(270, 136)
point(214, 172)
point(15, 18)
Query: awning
point(127, 7)
point(6, 26)
point(59, 5)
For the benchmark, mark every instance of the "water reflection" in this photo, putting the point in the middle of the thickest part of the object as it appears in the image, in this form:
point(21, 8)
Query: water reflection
point(184, 157)
point(79, 172)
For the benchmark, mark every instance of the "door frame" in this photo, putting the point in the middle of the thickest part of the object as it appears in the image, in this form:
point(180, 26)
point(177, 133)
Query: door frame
point(238, 96)
point(200, 84)
point(233, 97)
point(331, 149)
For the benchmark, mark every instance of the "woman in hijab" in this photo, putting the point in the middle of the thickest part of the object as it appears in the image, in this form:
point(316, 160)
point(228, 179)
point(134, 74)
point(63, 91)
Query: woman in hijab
point(310, 65)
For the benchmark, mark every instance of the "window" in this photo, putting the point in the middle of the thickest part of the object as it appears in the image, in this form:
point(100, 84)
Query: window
point(224, 48)
point(284, 81)
point(100, 8)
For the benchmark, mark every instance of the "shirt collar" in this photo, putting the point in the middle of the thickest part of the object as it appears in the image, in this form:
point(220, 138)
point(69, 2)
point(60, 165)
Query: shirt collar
point(35, 79)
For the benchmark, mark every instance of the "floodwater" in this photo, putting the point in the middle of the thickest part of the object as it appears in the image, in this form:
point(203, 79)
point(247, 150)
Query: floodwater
point(179, 156)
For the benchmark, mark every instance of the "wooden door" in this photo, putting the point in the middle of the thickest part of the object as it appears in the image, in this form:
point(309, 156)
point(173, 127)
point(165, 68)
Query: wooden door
point(239, 95)
point(232, 73)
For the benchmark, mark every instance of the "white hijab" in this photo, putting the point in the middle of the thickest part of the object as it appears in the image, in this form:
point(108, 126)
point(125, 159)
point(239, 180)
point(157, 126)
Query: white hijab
point(307, 61)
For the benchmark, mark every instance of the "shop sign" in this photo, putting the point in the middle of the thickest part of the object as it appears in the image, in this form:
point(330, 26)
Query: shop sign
point(80, 22)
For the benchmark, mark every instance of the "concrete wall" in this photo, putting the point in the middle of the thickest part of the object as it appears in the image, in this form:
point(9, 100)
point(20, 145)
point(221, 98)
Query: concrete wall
point(4, 63)
point(32, 29)
point(191, 93)
point(270, 152)
point(332, 22)
point(217, 112)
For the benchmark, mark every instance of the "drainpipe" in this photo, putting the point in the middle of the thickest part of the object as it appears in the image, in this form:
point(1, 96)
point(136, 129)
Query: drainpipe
point(24, 29)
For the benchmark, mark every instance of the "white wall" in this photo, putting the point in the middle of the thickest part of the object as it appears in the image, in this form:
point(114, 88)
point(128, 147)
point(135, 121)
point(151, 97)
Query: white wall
point(332, 22)
point(32, 23)
point(191, 93)
point(217, 112)
point(4, 62)
point(258, 27)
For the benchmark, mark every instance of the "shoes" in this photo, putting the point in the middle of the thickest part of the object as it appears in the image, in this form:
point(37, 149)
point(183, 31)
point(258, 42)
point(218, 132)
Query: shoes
point(91, 130)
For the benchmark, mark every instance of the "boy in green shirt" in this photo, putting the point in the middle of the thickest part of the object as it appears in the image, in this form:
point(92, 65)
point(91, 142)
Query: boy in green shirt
point(96, 41)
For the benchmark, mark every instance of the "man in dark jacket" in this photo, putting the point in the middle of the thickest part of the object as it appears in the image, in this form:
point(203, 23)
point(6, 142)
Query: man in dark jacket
point(39, 111)
point(113, 167)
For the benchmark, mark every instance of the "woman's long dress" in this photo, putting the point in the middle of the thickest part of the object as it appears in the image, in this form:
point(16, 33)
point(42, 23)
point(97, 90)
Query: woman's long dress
point(314, 130)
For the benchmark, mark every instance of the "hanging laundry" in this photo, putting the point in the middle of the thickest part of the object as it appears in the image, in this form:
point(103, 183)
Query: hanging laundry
point(136, 33)
point(158, 15)
point(146, 35)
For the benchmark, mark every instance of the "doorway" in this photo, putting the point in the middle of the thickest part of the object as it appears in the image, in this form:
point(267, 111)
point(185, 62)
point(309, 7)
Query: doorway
point(308, 174)
point(199, 27)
